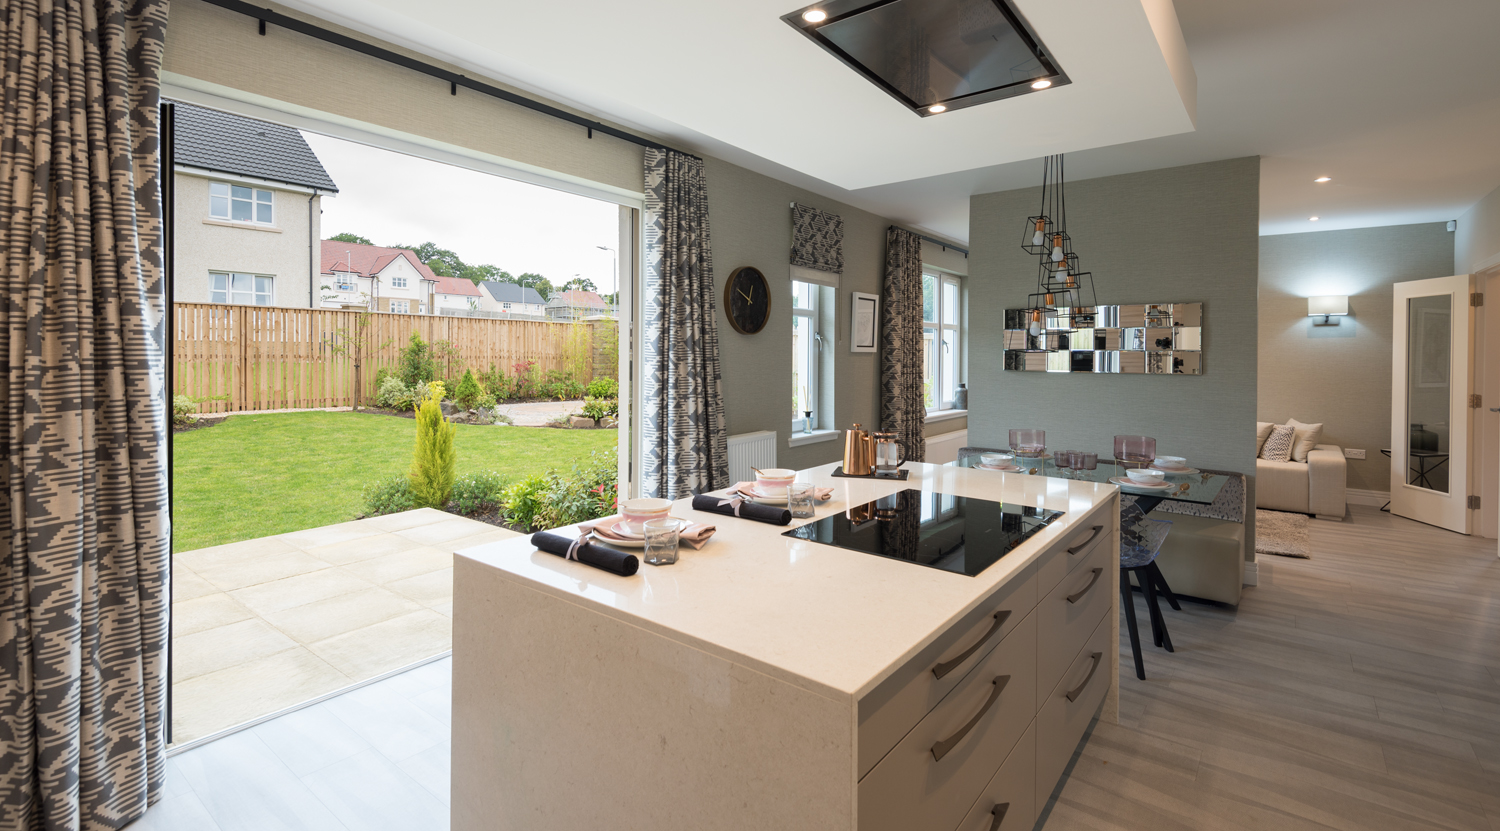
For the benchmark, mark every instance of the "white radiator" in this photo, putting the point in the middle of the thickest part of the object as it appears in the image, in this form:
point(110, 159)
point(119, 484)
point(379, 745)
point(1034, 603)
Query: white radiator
point(942, 449)
point(749, 450)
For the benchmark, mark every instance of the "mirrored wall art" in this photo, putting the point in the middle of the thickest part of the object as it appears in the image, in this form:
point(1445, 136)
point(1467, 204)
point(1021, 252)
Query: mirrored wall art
point(1142, 339)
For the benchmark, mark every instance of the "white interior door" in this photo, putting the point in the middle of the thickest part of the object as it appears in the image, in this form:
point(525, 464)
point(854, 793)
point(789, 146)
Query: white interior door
point(1431, 421)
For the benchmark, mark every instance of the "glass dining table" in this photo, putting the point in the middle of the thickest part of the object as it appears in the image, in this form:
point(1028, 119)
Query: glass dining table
point(1136, 531)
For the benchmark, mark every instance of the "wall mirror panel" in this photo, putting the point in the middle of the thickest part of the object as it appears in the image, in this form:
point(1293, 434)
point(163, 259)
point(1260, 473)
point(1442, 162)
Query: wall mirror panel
point(1137, 339)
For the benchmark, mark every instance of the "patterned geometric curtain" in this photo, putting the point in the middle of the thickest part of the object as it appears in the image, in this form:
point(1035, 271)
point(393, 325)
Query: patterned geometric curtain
point(685, 441)
point(83, 538)
point(817, 246)
point(903, 407)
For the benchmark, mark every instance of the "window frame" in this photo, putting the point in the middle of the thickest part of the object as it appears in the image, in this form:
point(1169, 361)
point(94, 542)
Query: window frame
point(229, 292)
point(398, 282)
point(814, 383)
point(938, 327)
point(254, 201)
point(405, 306)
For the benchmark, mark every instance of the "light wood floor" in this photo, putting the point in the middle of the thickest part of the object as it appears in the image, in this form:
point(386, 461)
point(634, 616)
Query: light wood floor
point(1356, 690)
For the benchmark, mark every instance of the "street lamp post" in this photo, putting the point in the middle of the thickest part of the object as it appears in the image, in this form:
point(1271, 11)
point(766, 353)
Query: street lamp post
point(614, 260)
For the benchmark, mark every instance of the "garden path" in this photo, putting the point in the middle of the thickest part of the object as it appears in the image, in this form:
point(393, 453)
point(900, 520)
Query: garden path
point(540, 413)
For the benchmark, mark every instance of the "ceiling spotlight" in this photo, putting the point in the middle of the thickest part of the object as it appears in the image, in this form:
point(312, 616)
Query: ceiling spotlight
point(1312, 219)
point(1321, 179)
point(815, 15)
point(936, 108)
point(1042, 84)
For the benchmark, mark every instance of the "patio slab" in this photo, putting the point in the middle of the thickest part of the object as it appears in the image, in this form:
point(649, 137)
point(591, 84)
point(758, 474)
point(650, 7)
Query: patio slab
point(265, 624)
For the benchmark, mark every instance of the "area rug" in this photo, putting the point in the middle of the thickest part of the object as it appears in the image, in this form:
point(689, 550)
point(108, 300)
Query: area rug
point(1280, 533)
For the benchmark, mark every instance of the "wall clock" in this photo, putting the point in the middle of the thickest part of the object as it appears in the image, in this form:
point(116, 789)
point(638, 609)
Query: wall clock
point(747, 300)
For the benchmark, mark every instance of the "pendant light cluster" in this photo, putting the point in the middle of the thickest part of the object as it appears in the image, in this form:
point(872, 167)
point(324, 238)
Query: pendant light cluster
point(1061, 287)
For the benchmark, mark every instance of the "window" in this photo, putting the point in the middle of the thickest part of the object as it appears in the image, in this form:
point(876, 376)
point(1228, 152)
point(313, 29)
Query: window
point(807, 353)
point(941, 339)
point(398, 282)
point(238, 203)
point(240, 289)
point(401, 306)
point(505, 306)
point(344, 282)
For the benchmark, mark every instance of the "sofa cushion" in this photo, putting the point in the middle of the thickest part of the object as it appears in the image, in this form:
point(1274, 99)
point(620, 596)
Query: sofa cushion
point(1281, 486)
point(1278, 447)
point(1307, 437)
point(1262, 432)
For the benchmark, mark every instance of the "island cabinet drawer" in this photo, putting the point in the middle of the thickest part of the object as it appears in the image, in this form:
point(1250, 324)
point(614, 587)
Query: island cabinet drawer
point(1009, 800)
point(936, 772)
point(1068, 708)
point(1067, 615)
point(1075, 547)
point(892, 709)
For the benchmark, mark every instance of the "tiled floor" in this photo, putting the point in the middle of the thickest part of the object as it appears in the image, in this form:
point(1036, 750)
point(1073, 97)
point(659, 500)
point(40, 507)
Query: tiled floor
point(372, 759)
point(265, 624)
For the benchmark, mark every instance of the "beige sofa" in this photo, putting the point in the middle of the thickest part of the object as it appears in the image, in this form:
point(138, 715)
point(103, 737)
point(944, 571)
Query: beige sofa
point(1313, 487)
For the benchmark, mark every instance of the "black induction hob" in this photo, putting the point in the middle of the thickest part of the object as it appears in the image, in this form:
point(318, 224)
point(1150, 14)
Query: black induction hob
point(960, 534)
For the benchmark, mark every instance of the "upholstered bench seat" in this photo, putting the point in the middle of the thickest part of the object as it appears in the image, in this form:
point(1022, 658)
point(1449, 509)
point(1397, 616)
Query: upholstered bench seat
point(1204, 558)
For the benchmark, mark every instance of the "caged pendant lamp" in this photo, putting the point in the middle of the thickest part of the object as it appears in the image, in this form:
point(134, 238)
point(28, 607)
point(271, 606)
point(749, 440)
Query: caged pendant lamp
point(1064, 292)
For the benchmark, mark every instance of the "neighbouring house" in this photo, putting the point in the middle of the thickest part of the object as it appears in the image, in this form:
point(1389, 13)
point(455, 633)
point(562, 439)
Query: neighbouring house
point(577, 305)
point(510, 298)
point(375, 277)
point(248, 198)
point(457, 294)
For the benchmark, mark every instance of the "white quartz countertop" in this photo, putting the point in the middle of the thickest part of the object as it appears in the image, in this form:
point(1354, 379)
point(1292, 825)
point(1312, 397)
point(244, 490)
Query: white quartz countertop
point(827, 619)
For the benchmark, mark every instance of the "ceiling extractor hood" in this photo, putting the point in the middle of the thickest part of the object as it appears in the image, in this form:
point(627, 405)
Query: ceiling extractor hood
point(934, 55)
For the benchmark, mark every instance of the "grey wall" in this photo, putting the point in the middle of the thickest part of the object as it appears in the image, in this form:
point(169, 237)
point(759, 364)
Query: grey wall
point(1184, 234)
point(751, 221)
point(1340, 375)
point(1477, 244)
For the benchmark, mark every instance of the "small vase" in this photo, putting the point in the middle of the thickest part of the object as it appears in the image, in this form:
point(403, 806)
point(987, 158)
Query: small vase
point(961, 397)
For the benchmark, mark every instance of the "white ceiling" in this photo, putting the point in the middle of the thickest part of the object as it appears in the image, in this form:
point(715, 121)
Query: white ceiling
point(1398, 101)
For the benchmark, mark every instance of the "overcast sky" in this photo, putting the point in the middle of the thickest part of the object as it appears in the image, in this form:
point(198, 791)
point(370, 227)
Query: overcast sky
point(392, 198)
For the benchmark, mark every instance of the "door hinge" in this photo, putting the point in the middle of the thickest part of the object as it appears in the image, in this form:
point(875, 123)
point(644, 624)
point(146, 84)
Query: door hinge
point(1473, 502)
point(1476, 400)
point(1476, 299)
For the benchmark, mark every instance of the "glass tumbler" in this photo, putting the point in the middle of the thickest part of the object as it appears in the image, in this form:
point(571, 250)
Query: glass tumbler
point(799, 500)
point(1137, 449)
point(1086, 461)
point(661, 540)
point(1027, 442)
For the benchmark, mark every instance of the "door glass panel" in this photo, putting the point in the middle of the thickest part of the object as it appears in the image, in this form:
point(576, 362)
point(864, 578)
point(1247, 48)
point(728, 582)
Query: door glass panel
point(929, 298)
point(949, 375)
point(1429, 365)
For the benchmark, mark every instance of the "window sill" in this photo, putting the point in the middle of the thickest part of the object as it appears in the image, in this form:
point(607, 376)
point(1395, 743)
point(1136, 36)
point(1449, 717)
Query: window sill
point(944, 415)
point(248, 226)
point(799, 439)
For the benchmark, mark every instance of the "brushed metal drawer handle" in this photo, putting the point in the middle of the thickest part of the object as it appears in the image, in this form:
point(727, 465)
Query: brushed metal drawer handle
point(1076, 596)
point(941, 749)
point(1079, 547)
point(999, 814)
point(1078, 690)
point(948, 666)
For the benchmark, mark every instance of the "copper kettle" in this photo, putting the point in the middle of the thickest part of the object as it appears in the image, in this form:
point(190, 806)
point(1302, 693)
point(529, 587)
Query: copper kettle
point(859, 452)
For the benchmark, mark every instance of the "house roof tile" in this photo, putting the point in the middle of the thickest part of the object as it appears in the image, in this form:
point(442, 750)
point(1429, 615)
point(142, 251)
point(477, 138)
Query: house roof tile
point(368, 260)
point(504, 292)
point(580, 299)
point(228, 143)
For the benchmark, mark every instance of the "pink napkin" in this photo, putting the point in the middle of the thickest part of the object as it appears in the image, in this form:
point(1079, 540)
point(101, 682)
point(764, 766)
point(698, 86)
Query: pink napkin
point(694, 534)
point(748, 489)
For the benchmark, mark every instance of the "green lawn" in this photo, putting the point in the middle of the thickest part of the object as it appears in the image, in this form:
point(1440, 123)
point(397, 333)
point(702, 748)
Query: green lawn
point(258, 475)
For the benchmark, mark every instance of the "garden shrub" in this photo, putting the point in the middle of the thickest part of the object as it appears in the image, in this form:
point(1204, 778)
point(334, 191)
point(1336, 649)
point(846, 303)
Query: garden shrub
point(394, 394)
point(416, 363)
point(183, 408)
point(526, 380)
point(467, 394)
point(496, 384)
point(587, 493)
point(603, 388)
point(524, 500)
point(477, 493)
point(435, 461)
point(598, 408)
point(389, 496)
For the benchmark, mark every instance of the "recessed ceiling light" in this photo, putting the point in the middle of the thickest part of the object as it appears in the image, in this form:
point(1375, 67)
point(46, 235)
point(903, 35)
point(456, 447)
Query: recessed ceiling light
point(1312, 219)
point(1042, 84)
point(936, 108)
point(1321, 179)
point(815, 15)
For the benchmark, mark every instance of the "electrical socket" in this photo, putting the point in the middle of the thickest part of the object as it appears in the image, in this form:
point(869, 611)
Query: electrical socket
point(1353, 454)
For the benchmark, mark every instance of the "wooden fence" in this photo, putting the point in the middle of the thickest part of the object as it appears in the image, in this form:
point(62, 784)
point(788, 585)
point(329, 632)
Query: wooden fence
point(265, 358)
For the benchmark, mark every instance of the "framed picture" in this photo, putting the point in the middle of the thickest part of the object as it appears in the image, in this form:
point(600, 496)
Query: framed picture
point(864, 322)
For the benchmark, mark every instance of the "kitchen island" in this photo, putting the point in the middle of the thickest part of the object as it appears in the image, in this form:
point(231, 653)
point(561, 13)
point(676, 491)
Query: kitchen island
point(770, 682)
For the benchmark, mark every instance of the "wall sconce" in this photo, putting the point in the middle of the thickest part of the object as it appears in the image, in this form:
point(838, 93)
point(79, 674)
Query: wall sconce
point(1336, 305)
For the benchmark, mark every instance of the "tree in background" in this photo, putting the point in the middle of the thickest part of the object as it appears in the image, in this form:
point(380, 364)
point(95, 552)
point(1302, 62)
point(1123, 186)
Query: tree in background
point(542, 285)
point(348, 237)
point(480, 273)
point(435, 462)
point(442, 261)
point(580, 284)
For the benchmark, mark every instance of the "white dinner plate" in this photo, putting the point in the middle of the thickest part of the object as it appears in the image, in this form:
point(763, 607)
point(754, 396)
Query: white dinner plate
point(1186, 471)
point(1002, 468)
point(1126, 482)
point(756, 496)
